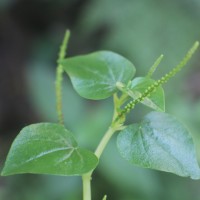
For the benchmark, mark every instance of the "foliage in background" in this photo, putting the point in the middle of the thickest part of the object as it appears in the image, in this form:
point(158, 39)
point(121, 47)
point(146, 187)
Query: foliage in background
point(139, 30)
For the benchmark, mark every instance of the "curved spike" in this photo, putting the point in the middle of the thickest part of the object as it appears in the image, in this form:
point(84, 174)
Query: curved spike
point(161, 81)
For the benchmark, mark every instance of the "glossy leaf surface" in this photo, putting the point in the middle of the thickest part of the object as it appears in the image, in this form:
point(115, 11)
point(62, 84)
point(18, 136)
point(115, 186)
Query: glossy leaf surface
point(47, 148)
point(160, 142)
point(94, 76)
point(155, 100)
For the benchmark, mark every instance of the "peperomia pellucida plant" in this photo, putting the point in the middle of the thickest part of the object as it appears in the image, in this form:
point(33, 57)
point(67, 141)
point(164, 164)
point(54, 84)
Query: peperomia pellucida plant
point(158, 142)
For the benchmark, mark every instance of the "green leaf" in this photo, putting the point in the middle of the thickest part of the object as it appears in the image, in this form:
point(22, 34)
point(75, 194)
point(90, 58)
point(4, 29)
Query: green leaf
point(47, 148)
point(159, 142)
point(94, 76)
point(156, 100)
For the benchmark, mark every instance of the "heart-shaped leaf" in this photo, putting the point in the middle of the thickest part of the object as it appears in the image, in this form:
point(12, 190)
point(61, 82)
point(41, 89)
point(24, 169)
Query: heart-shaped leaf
point(155, 100)
point(94, 76)
point(47, 148)
point(160, 142)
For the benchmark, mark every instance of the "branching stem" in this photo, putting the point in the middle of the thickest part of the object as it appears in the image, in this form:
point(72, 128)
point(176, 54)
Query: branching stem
point(119, 117)
point(86, 178)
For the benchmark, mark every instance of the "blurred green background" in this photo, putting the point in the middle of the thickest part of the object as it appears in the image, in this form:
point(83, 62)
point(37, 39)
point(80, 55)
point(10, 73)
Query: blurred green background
point(30, 34)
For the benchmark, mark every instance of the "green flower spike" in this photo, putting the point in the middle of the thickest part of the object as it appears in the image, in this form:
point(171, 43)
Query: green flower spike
point(159, 82)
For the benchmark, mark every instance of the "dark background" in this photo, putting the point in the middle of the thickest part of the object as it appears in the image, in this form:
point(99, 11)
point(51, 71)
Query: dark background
point(30, 34)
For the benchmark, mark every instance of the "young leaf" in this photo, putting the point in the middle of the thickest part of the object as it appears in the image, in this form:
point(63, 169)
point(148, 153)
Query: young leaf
point(159, 142)
point(47, 148)
point(156, 100)
point(94, 76)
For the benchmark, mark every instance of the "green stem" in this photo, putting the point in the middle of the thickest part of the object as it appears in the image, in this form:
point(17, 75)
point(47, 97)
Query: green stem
point(86, 178)
point(104, 141)
point(115, 126)
point(59, 78)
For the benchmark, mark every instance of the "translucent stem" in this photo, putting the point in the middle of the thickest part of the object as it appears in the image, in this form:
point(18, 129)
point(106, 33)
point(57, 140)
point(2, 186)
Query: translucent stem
point(104, 142)
point(86, 178)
